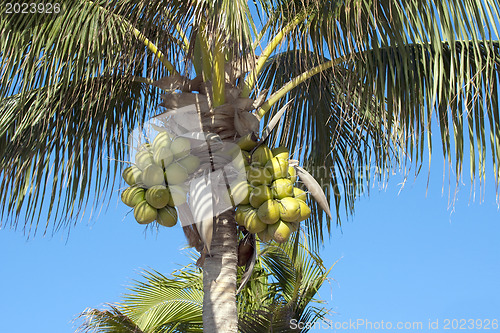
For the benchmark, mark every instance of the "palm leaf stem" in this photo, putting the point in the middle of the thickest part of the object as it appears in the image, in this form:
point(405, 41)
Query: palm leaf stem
point(154, 49)
point(273, 44)
point(182, 34)
point(150, 45)
point(275, 97)
point(218, 84)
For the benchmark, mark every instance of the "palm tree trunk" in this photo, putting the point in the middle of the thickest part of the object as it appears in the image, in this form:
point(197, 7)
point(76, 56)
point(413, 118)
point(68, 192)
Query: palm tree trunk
point(219, 278)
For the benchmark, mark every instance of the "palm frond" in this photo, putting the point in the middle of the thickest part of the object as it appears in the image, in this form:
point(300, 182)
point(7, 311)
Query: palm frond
point(161, 302)
point(106, 321)
point(70, 88)
point(295, 277)
point(394, 63)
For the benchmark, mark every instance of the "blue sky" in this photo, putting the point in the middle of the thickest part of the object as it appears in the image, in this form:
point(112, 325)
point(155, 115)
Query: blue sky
point(402, 258)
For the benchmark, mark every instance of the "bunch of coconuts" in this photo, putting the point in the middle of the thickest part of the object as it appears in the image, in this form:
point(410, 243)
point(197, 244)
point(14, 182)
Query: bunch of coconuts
point(156, 179)
point(268, 203)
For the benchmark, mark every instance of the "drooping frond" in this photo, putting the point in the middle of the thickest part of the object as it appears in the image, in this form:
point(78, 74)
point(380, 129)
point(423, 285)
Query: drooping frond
point(392, 64)
point(418, 57)
point(106, 321)
point(71, 85)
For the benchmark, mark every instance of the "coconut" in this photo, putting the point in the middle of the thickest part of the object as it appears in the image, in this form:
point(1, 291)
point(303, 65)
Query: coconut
point(292, 174)
point(162, 140)
point(132, 196)
point(144, 213)
point(257, 175)
point(289, 209)
point(181, 147)
point(247, 142)
point(269, 212)
point(177, 195)
point(163, 157)
point(280, 231)
point(278, 167)
point(167, 216)
point(282, 188)
point(299, 194)
point(264, 236)
point(143, 159)
point(261, 155)
point(241, 212)
point(252, 222)
point(305, 211)
point(153, 175)
point(281, 152)
point(240, 191)
point(158, 196)
point(191, 163)
point(259, 195)
point(175, 174)
point(132, 175)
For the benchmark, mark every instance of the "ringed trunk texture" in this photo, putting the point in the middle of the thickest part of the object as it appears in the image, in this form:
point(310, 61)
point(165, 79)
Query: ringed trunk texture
point(220, 313)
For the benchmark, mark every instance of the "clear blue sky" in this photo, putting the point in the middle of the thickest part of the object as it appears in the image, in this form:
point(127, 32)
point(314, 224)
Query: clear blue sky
point(403, 258)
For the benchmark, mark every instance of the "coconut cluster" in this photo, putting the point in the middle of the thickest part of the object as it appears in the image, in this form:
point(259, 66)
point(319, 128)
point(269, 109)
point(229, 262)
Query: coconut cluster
point(156, 179)
point(269, 204)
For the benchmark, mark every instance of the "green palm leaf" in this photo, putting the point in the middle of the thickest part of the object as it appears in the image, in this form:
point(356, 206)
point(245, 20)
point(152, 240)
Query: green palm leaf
point(71, 87)
point(275, 294)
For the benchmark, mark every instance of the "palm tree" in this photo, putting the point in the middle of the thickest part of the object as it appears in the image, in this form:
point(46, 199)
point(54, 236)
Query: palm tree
point(284, 283)
point(365, 79)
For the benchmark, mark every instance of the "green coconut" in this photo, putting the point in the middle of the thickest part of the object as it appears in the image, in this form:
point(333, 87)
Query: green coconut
point(299, 194)
point(269, 212)
point(178, 195)
point(259, 195)
point(281, 152)
point(132, 196)
point(257, 175)
point(280, 231)
point(289, 209)
point(191, 163)
point(152, 175)
point(247, 142)
point(144, 213)
point(175, 174)
point(241, 212)
point(240, 191)
point(163, 157)
point(252, 222)
point(292, 174)
point(261, 155)
point(181, 147)
point(143, 159)
point(264, 236)
point(305, 211)
point(132, 175)
point(167, 216)
point(158, 196)
point(282, 188)
point(278, 167)
point(162, 140)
